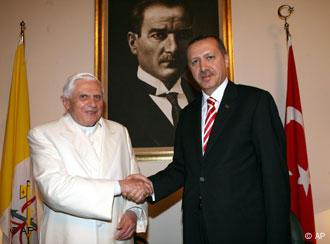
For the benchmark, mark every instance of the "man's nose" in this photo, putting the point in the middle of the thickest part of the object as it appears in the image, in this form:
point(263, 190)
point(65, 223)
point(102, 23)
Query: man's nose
point(92, 102)
point(202, 65)
point(171, 43)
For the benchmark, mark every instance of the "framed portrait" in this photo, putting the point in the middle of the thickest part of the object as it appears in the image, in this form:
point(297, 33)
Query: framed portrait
point(140, 58)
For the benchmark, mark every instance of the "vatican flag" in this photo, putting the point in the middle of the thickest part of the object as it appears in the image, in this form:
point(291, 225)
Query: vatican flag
point(17, 199)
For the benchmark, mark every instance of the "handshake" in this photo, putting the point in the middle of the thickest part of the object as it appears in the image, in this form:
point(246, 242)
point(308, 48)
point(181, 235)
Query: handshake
point(136, 188)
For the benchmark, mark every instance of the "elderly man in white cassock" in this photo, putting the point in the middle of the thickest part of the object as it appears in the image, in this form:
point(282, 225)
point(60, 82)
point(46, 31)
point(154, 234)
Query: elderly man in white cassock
point(80, 163)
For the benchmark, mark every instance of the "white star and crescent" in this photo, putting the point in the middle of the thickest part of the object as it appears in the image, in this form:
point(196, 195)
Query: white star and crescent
point(294, 114)
point(304, 178)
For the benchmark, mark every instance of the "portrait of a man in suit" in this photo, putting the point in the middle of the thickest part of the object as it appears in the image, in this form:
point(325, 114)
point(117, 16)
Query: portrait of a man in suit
point(156, 89)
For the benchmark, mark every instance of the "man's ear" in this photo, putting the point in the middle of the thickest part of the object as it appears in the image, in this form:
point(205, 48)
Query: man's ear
point(226, 60)
point(131, 38)
point(66, 103)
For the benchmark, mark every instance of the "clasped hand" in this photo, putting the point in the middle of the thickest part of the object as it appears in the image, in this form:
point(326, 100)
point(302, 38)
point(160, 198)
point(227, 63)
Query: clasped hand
point(136, 188)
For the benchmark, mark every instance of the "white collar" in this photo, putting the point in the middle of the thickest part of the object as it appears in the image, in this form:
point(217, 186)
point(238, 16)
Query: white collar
point(158, 84)
point(218, 93)
point(87, 130)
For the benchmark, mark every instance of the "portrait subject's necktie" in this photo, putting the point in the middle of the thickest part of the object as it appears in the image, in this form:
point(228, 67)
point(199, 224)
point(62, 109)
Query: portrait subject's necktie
point(172, 97)
point(210, 116)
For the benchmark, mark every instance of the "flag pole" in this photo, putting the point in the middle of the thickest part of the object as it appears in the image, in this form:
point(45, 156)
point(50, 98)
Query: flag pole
point(284, 12)
point(22, 24)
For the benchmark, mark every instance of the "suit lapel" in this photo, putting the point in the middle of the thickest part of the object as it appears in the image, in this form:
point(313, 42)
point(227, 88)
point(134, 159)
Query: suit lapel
point(195, 123)
point(227, 105)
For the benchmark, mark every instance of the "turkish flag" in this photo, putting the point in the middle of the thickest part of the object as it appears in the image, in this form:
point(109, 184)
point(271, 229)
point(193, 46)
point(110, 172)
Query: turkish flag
point(301, 192)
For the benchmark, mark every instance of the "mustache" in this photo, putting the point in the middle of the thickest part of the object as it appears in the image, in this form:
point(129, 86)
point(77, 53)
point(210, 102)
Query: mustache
point(205, 73)
point(168, 57)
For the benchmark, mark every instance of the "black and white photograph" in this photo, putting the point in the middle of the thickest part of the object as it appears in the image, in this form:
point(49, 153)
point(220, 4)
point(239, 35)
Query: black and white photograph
point(148, 83)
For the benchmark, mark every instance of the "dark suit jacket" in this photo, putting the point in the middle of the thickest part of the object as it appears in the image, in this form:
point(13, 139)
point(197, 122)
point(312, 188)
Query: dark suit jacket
point(146, 123)
point(242, 178)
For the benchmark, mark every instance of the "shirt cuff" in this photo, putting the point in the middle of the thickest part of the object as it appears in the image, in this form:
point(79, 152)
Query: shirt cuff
point(117, 191)
point(141, 219)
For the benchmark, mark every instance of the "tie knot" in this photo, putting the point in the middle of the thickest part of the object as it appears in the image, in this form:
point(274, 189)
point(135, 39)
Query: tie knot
point(172, 96)
point(211, 101)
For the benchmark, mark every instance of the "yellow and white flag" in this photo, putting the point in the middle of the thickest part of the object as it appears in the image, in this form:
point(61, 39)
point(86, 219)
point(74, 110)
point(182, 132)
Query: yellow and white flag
point(18, 217)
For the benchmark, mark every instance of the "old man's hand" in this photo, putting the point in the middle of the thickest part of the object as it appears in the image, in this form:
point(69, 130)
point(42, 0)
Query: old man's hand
point(136, 188)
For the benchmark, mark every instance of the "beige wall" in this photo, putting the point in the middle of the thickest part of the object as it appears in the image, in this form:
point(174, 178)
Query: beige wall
point(59, 42)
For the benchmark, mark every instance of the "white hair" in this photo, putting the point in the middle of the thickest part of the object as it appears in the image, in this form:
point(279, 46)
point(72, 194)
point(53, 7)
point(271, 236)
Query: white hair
point(71, 82)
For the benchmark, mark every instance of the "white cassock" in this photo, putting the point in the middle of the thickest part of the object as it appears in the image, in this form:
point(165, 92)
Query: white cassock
point(76, 180)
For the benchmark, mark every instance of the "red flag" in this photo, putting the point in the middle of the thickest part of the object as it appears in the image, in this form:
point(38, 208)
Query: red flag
point(301, 192)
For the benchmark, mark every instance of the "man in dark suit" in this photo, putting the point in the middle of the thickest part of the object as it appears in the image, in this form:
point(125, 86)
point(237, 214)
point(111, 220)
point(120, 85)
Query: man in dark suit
point(235, 179)
point(158, 36)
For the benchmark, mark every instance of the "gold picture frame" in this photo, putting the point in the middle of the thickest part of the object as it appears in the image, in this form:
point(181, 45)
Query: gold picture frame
point(101, 59)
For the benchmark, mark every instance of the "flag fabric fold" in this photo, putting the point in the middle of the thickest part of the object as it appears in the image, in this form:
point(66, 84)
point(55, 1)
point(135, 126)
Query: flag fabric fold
point(301, 192)
point(17, 200)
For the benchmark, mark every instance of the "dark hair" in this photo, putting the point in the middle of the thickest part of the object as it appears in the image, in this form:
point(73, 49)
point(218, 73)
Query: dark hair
point(221, 46)
point(137, 12)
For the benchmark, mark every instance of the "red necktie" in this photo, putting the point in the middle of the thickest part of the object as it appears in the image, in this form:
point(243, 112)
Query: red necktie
point(211, 113)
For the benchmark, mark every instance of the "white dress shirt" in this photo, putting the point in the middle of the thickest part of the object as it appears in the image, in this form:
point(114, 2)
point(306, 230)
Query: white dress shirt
point(162, 102)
